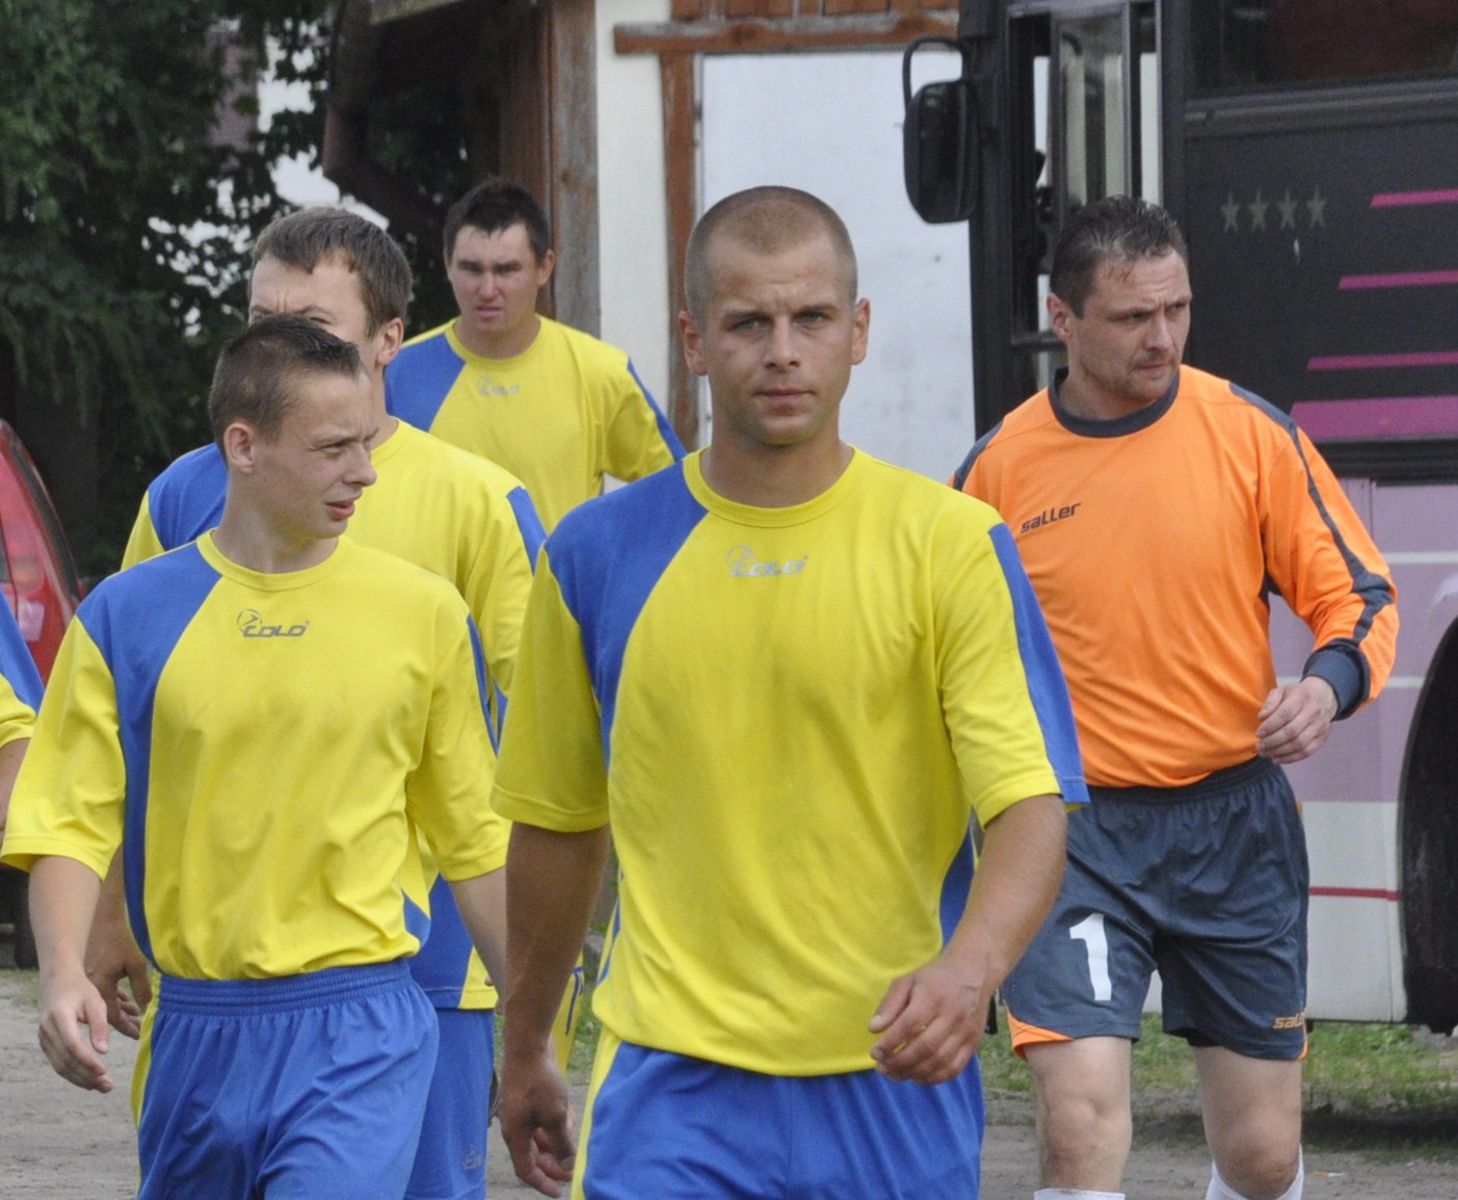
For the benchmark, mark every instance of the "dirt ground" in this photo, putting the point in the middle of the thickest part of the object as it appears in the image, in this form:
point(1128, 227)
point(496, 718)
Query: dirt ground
point(58, 1143)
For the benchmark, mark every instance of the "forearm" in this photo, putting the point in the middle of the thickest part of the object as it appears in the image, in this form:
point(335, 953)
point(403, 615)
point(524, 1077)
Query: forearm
point(63, 895)
point(1017, 879)
point(10, 756)
point(552, 882)
point(482, 904)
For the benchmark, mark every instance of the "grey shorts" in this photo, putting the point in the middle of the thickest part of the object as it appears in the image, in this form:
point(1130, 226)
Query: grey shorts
point(1208, 884)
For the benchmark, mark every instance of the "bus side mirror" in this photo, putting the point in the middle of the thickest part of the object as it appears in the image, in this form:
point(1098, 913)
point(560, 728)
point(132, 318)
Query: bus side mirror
point(940, 121)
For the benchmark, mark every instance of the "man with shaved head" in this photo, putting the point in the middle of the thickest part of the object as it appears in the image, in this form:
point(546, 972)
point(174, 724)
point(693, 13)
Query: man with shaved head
point(786, 676)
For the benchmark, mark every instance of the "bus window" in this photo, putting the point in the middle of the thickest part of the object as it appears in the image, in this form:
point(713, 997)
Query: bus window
point(1262, 43)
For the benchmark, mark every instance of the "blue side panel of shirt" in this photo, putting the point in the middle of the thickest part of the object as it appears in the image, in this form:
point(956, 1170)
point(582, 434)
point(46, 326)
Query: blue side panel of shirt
point(608, 555)
point(16, 664)
point(186, 500)
point(136, 619)
point(417, 382)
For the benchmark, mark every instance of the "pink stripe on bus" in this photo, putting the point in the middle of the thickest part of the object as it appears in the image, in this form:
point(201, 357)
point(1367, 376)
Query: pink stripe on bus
point(1357, 362)
point(1379, 417)
point(1402, 199)
point(1357, 893)
point(1408, 279)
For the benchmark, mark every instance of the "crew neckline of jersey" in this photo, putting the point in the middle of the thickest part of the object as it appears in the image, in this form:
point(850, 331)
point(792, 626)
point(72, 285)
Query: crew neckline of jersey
point(1115, 426)
point(792, 514)
point(393, 444)
point(500, 363)
point(268, 581)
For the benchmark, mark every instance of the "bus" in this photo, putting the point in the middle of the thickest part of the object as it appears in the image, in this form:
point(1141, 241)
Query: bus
point(1309, 151)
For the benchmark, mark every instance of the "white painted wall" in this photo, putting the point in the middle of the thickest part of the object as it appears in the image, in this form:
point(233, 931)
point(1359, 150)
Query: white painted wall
point(830, 123)
point(632, 215)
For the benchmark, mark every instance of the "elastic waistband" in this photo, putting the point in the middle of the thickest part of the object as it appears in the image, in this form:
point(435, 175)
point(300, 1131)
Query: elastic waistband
point(1217, 783)
point(240, 997)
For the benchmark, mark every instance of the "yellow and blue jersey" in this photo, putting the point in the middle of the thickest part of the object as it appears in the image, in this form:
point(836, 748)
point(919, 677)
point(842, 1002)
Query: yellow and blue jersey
point(459, 516)
point(268, 743)
point(20, 682)
point(562, 414)
point(789, 716)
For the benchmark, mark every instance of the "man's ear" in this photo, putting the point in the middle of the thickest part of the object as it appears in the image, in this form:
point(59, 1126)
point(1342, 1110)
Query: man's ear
point(545, 265)
point(240, 447)
point(693, 344)
point(1060, 318)
point(388, 340)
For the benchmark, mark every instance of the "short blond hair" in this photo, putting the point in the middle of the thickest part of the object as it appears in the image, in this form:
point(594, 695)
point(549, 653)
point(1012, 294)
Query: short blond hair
point(767, 220)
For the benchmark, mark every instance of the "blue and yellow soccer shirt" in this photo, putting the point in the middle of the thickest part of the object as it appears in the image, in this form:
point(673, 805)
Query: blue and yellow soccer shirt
point(268, 742)
point(454, 514)
point(788, 716)
point(560, 415)
point(20, 682)
point(464, 519)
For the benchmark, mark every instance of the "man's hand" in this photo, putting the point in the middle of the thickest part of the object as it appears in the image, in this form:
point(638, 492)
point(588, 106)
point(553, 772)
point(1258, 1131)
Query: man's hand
point(1295, 720)
point(537, 1123)
point(930, 1022)
point(70, 1004)
point(111, 957)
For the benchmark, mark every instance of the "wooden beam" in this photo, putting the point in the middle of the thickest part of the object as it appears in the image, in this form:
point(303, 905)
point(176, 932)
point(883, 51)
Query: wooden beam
point(770, 37)
point(677, 72)
point(572, 80)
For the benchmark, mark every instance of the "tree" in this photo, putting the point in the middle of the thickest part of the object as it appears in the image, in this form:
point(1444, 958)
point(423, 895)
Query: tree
point(123, 214)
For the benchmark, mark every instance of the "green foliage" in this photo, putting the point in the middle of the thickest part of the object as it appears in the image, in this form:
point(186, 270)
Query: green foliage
point(122, 215)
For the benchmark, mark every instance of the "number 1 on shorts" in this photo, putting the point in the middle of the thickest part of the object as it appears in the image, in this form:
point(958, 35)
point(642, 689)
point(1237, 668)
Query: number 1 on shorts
point(1090, 931)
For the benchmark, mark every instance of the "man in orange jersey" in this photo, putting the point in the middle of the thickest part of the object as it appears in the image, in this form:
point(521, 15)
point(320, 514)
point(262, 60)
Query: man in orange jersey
point(1156, 508)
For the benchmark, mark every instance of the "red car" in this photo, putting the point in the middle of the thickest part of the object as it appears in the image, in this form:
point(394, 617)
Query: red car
point(39, 580)
point(37, 573)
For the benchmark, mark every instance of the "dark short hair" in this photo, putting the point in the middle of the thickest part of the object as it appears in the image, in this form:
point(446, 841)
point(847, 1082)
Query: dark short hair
point(302, 239)
point(768, 220)
point(259, 371)
point(495, 205)
point(1117, 227)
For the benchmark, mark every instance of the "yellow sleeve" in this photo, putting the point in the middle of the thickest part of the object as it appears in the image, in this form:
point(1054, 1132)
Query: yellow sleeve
point(638, 440)
point(448, 793)
point(70, 796)
point(498, 578)
point(553, 774)
point(143, 542)
point(17, 718)
point(1004, 698)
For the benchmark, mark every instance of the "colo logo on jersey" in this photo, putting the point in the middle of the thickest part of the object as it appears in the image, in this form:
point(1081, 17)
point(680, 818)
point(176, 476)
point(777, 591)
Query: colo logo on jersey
point(485, 387)
point(742, 564)
point(252, 625)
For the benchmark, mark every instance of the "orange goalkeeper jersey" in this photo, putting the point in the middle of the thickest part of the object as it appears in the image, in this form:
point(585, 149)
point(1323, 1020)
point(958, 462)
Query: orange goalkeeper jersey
point(1154, 542)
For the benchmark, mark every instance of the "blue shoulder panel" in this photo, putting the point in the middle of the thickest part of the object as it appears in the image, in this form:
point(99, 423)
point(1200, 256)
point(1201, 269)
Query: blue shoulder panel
point(186, 500)
point(528, 523)
point(608, 556)
point(1046, 685)
point(959, 477)
point(16, 664)
point(136, 619)
point(665, 430)
point(417, 381)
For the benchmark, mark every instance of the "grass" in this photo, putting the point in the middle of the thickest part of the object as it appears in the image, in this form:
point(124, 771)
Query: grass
point(1380, 1089)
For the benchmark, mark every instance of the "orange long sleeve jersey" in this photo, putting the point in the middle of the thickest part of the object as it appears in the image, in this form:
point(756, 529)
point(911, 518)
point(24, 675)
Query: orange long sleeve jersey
point(1154, 541)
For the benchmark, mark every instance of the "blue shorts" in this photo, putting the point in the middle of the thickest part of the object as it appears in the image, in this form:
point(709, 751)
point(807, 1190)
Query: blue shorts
point(450, 1163)
point(290, 1089)
point(673, 1128)
point(1206, 883)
